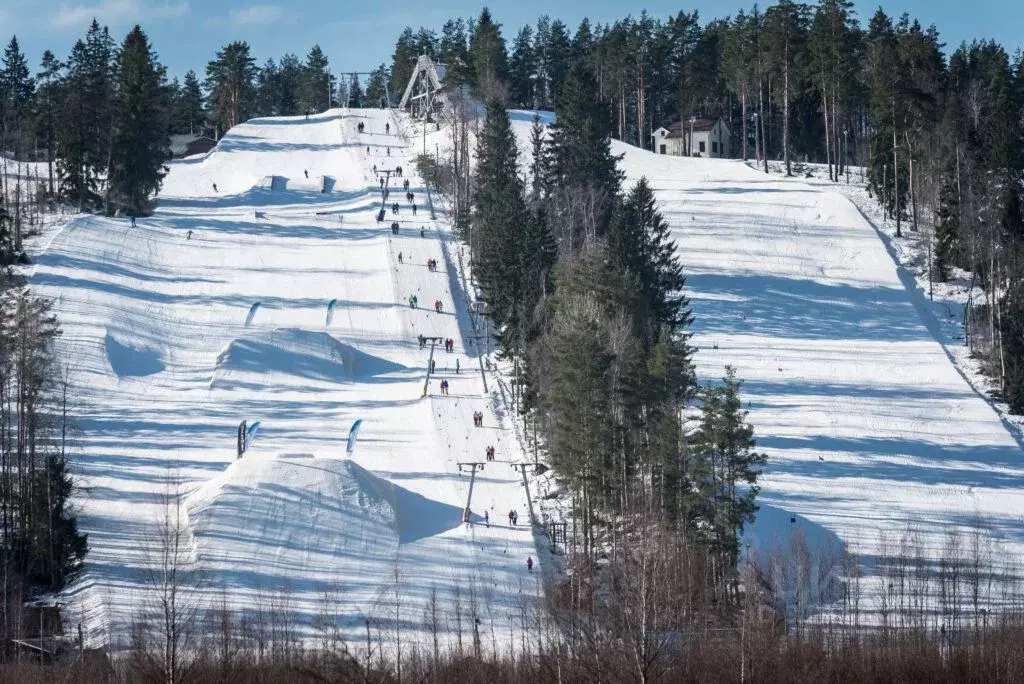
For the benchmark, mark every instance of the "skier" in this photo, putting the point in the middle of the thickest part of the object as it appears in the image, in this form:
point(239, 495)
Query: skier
point(382, 182)
point(456, 365)
point(515, 518)
point(529, 564)
point(511, 517)
point(400, 261)
point(433, 366)
point(415, 301)
point(374, 167)
point(215, 187)
point(387, 128)
point(422, 341)
point(188, 235)
point(413, 208)
point(389, 151)
point(487, 519)
point(306, 171)
point(437, 305)
point(422, 233)
point(132, 218)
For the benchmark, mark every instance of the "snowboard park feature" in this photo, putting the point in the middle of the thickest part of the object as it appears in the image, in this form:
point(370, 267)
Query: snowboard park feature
point(212, 312)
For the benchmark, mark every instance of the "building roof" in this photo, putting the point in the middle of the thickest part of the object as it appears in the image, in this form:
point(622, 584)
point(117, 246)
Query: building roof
point(675, 130)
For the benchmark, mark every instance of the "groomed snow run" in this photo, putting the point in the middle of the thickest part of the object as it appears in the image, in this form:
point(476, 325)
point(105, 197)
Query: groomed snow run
point(877, 444)
point(873, 435)
point(273, 301)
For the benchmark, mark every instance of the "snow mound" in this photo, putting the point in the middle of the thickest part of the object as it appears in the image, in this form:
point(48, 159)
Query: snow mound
point(296, 518)
point(127, 360)
point(301, 354)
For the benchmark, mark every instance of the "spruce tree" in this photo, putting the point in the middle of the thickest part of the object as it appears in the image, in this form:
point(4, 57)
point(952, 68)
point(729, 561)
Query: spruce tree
point(582, 165)
point(229, 82)
point(141, 126)
point(522, 70)
point(376, 88)
point(48, 102)
point(487, 55)
point(499, 215)
point(188, 106)
point(355, 92)
point(724, 467)
point(315, 82)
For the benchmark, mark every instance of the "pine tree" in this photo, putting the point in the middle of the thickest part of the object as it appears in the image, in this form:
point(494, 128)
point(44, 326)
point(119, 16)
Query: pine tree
point(16, 92)
point(487, 55)
point(188, 106)
point(639, 244)
point(48, 102)
point(315, 82)
point(947, 229)
point(229, 81)
point(725, 468)
point(582, 165)
point(141, 126)
point(403, 60)
point(499, 214)
point(522, 70)
point(376, 88)
point(540, 162)
point(355, 92)
point(84, 131)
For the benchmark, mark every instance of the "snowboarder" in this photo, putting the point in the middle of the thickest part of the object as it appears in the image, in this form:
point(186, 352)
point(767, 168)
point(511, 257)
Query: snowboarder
point(131, 217)
point(306, 171)
point(382, 182)
point(215, 187)
point(387, 128)
point(529, 564)
point(400, 261)
point(511, 517)
point(389, 151)
point(487, 519)
point(456, 365)
point(437, 305)
point(422, 341)
point(188, 235)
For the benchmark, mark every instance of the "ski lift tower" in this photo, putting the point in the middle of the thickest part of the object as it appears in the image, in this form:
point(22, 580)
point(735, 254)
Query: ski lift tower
point(424, 94)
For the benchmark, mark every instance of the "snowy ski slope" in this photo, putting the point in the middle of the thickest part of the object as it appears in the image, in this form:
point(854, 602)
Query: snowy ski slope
point(165, 366)
point(873, 435)
point(871, 431)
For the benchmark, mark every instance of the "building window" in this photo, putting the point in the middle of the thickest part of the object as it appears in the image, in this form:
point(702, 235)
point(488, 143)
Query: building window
point(714, 148)
point(702, 146)
point(663, 149)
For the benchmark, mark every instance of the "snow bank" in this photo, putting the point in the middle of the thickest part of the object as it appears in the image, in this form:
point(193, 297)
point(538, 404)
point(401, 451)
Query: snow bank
point(305, 354)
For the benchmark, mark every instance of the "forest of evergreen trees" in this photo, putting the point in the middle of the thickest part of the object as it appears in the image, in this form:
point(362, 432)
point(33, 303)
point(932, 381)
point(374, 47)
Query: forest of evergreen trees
point(939, 133)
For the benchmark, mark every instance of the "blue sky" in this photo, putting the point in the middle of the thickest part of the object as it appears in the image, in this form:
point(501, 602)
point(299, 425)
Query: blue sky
point(359, 34)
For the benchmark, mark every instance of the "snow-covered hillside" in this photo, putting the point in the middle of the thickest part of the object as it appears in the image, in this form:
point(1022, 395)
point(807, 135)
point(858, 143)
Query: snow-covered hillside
point(877, 444)
point(252, 295)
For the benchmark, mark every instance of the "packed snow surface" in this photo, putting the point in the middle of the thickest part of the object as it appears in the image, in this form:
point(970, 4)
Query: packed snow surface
point(275, 297)
point(264, 290)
